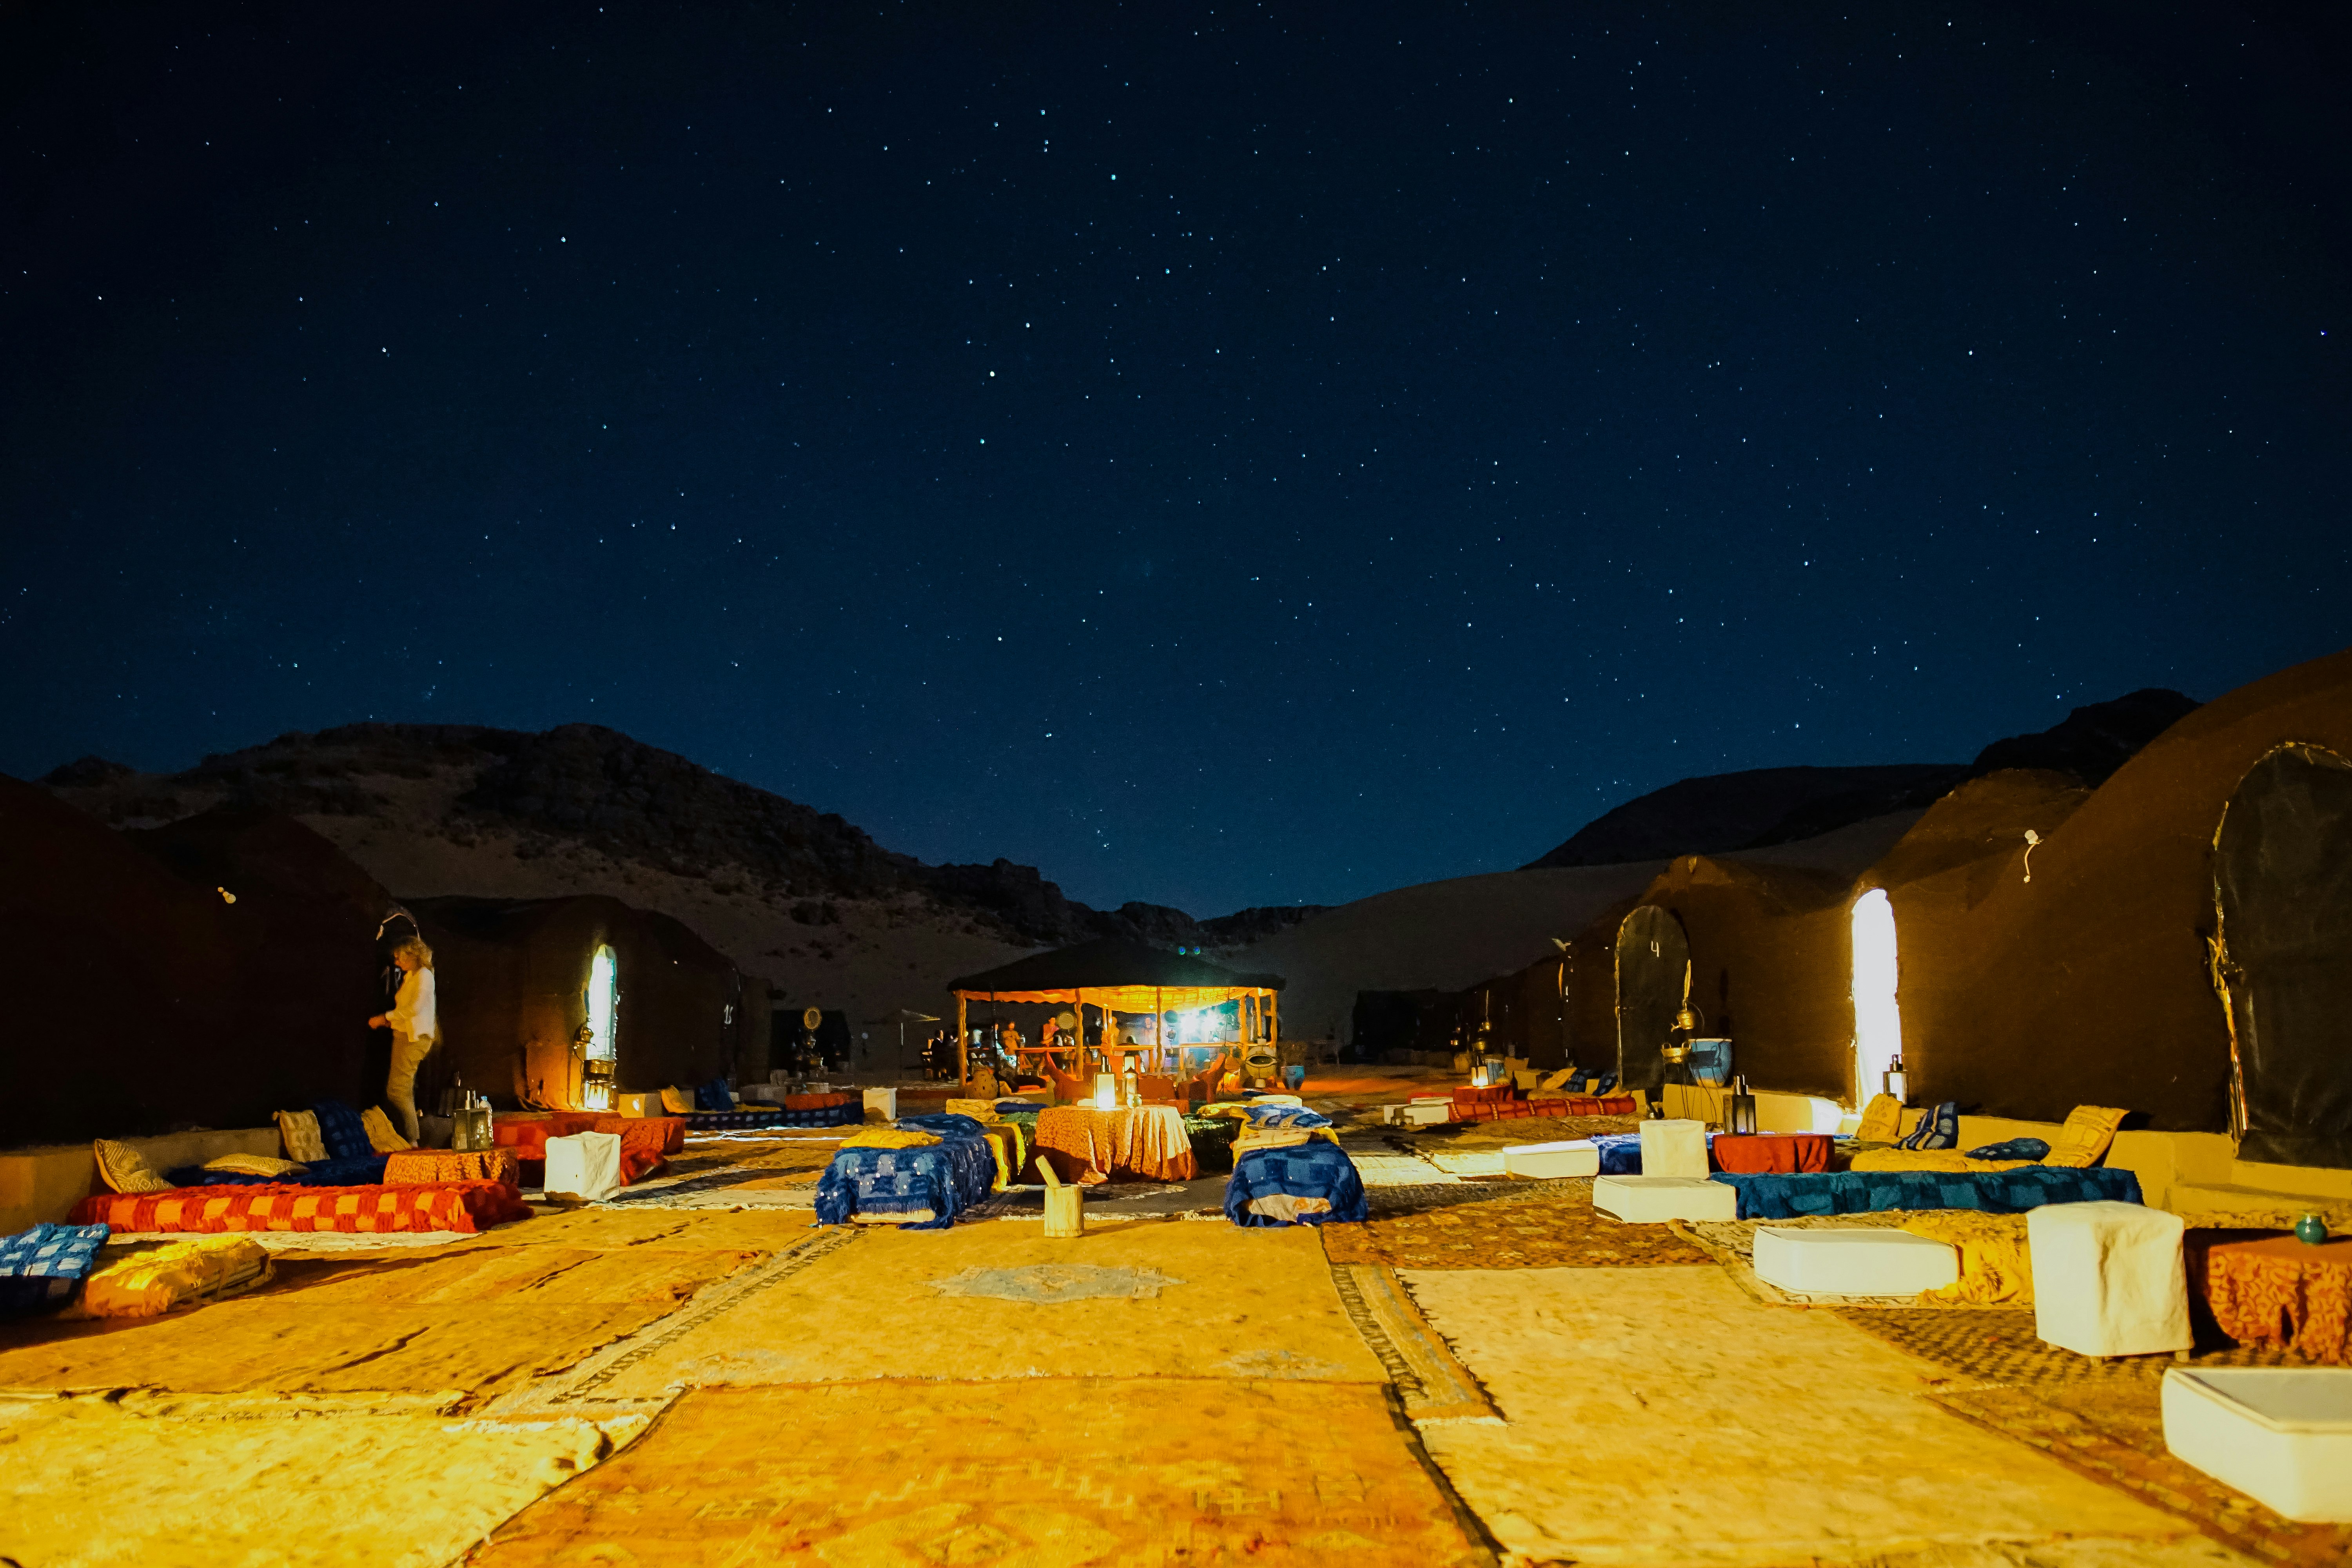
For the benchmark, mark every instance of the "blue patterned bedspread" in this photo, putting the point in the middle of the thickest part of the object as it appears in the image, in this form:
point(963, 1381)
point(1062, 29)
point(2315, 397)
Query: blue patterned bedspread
point(1779, 1196)
point(40, 1268)
point(1621, 1154)
point(1314, 1170)
point(945, 1178)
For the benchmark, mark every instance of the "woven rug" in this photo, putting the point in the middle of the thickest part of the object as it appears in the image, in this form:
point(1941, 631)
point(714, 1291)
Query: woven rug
point(2112, 1429)
point(1433, 1385)
point(88, 1483)
point(474, 1322)
point(1032, 1472)
point(1551, 1225)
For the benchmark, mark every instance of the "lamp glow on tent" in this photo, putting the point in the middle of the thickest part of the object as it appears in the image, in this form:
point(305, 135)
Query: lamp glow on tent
point(1877, 1020)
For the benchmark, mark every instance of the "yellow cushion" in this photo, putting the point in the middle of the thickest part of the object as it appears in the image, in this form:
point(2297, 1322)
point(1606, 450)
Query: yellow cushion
point(254, 1165)
point(890, 1138)
point(382, 1136)
point(1557, 1080)
point(678, 1101)
point(1882, 1119)
point(298, 1131)
point(2088, 1131)
point(126, 1169)
point(150, 1284)
point(1527, 1082)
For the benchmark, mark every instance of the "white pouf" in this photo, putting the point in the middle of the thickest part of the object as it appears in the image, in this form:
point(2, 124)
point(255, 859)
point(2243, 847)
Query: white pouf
point(1573, 1157)
point(2108, 1279)
point(641, 1105)
point(2280, 1434)
point(1859, 1262)
point(1655, 1199)
point(1674, 1148)
point(885, 1101)
point(584, 1165)
point(1428, 1115)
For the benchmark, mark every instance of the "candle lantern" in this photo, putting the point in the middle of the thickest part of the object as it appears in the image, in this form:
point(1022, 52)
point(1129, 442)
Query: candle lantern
point(1740, 1109)
point(1898, 1082)
point(1105, 1091)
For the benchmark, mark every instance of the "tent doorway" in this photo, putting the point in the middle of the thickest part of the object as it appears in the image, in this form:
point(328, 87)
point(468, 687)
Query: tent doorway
point(2282, 955)
point(1878, 1016)
point(603, 1005)
point(1652, 956)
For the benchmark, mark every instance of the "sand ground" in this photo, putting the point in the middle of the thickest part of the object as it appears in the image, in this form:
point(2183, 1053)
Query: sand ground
point(1489, 1373)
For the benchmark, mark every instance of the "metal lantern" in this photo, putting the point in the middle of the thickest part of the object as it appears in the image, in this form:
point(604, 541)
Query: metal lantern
point(1740, 1109)
point(1896, 1081)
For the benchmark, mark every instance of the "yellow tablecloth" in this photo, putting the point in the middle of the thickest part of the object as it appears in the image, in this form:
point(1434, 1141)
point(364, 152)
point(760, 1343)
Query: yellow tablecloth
point(1089, 1145)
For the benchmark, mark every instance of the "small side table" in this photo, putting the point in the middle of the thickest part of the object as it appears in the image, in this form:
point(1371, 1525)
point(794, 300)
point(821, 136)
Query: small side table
point(2284, 1292)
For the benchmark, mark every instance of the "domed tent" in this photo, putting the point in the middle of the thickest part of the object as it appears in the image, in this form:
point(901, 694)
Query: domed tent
point(2093, 981)
point(567, 1003)
point(200, 975)
point(1762, 948)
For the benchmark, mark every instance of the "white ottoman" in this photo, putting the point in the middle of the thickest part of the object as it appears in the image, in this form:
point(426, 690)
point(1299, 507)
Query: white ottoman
point(1655, 1199)
point(1428, 1113)
point(2108, 1279)
point(642, 1105)
point(885, 1101)
point(1859, 1262)
point(1574, 1157)
point(584, 1165)
point(1674, 1148)
point(2280, 1434)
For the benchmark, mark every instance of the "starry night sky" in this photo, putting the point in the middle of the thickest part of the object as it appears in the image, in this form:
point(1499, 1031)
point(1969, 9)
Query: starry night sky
point(1221, 455)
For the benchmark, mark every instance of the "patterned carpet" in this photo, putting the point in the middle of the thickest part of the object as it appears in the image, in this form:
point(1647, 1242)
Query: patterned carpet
point(1550, 1225)
point(2100, 1418)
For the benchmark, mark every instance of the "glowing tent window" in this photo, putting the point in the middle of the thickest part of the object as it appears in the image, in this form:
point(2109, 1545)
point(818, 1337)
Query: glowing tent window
point(603, 1003)
point(1877, 1020)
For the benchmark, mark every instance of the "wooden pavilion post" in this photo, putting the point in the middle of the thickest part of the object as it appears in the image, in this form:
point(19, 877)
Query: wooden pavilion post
point(964, 1047)
point(1078, 1011)
point(1273, 1023)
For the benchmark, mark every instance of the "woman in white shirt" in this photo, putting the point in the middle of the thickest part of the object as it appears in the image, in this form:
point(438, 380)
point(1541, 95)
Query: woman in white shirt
point(413, 1024)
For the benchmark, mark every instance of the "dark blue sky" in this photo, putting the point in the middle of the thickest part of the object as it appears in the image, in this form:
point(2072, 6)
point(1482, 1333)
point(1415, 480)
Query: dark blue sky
point(1221, 455)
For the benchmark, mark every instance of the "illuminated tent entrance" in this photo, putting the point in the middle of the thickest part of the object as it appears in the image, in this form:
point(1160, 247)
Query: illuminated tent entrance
point(1170, 991)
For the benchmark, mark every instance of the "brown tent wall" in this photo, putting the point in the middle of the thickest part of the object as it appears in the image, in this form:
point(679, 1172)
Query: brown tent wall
point(1769, 953)
point(511, 979)
point(141, 1002)
point(1592, 990)
point(2091, 985)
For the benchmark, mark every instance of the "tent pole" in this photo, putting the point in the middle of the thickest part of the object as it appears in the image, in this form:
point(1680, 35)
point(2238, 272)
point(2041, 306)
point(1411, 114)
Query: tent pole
point(963, 1046)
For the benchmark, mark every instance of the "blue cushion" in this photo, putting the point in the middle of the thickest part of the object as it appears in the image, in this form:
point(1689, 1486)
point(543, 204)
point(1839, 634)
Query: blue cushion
point(341, 1131)
point(2015, 1149)
point(713, 1096)
point(1938, 1129)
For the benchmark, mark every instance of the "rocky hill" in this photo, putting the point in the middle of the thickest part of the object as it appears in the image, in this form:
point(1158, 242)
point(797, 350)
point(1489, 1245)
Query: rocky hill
point(1762, 806)
point(585, 787)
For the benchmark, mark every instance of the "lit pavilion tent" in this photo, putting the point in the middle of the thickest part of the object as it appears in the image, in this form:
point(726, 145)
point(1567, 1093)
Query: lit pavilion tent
point(1114, 975)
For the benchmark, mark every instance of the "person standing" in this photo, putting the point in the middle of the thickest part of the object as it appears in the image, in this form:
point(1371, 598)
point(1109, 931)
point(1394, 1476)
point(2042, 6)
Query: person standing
point(415, 1025)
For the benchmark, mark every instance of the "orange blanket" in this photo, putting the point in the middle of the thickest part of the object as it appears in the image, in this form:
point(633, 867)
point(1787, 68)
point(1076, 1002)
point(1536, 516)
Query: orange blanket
point(452, 1206)
point(1089, 1145)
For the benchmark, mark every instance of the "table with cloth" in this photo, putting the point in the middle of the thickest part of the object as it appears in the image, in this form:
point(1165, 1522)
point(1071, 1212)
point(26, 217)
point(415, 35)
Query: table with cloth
point(452, 1206)
point(1775, 1196)
point(424, 1167)
point(1313, 1182)
point(646, 1142)
point(2284, 1292)
point(1751, 1153)
point(1088, 1146)
point(922, 1187)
